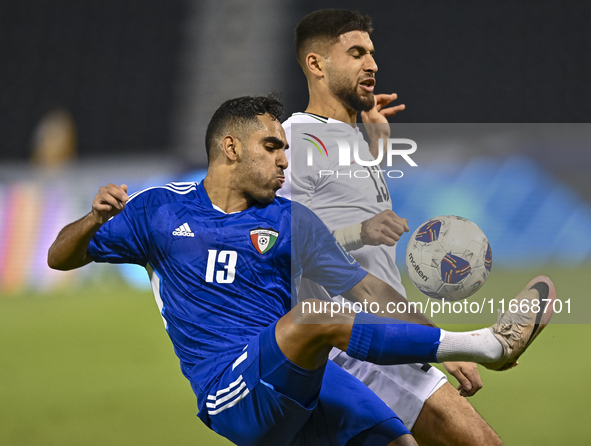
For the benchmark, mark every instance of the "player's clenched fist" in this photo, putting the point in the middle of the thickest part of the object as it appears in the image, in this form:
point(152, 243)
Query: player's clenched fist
point(383, 229)
point(109, 201)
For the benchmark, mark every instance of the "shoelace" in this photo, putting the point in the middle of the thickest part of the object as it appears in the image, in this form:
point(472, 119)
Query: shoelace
point(511, 332)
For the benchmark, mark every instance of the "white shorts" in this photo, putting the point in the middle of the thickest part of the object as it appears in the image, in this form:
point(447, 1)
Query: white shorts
point(404, 388)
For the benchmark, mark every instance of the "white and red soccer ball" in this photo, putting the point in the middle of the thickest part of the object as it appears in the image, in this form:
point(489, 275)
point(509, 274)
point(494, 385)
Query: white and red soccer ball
point(448, 258)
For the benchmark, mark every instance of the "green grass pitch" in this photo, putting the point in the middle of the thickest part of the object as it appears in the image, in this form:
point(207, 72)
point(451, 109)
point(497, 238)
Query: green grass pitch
point(94, 366)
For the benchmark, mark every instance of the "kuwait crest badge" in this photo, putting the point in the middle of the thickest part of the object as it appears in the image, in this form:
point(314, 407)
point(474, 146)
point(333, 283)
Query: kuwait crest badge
point(263, 239)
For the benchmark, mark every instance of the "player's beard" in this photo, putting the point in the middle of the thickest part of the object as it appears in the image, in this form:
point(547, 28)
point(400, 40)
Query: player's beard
point(261, 194)
point(342, 88)
point(253, 182)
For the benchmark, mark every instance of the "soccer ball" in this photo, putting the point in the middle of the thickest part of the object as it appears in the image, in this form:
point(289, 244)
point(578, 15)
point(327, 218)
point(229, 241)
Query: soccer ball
point(448, 258)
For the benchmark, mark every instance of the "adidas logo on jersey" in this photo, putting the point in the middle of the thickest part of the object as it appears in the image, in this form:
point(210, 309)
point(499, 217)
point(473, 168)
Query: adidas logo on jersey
point(183, 230)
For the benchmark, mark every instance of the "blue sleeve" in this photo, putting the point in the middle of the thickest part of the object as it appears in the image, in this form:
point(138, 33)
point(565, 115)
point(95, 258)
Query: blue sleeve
point(321, 257)
point(124, 238)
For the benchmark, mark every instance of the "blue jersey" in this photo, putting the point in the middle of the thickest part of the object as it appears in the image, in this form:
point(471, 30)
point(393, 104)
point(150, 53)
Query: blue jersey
point(220, 279)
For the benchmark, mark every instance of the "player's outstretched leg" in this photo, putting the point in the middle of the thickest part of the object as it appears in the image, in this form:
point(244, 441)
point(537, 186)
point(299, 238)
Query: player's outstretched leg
point(306, 338)
point(389, 341)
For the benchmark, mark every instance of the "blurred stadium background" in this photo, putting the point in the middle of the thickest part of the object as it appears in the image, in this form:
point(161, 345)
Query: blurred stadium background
point(121, 91)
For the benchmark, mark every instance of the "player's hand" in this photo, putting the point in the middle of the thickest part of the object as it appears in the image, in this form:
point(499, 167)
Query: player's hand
point(383, 229)
point(379, 113)
point(378, 118)
point(467, 375)
point(109, 201)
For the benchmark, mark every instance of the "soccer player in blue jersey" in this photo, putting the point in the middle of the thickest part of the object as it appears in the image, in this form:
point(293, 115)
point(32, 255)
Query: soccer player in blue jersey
point(224, 256)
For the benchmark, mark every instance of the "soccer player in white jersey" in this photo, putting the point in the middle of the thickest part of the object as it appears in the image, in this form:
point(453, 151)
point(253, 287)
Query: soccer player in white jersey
point(335, 52)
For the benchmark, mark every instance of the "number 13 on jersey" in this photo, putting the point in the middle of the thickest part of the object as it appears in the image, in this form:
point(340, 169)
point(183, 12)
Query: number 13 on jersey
point(227, 259)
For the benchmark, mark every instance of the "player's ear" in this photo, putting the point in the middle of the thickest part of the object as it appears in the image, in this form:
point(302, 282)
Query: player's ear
point(230, 147)
point(315, 64)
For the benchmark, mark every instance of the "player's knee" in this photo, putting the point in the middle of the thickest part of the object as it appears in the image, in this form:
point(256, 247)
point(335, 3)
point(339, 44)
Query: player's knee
point(315, 320)
point(320, 312)
point(309, 312)
point(310, 332)
point(404, 440)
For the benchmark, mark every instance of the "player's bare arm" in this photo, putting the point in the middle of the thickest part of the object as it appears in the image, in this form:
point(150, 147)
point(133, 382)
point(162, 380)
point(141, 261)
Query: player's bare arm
point(70, 248)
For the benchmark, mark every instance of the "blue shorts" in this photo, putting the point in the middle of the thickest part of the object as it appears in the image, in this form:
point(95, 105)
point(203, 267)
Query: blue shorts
point(262, 398)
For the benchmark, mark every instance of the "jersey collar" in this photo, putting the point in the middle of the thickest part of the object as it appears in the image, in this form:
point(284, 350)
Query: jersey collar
point(325, 120)
point(202, 193)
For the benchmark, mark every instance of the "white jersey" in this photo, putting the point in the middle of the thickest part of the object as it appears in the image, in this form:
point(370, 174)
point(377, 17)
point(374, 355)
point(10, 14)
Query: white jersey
point(351, 194)
point(348, 196)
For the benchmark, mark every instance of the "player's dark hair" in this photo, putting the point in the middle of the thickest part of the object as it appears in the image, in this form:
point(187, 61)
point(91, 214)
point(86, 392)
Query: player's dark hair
point(328, 24)
point(238, 112)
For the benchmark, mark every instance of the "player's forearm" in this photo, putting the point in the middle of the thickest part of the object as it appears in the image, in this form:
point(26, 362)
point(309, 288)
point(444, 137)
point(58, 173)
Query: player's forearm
point(70, 248)
point(372, 289)
point(384, 228)
point(349, 237)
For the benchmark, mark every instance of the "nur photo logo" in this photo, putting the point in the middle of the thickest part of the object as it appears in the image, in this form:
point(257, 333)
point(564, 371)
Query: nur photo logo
point(344, 148)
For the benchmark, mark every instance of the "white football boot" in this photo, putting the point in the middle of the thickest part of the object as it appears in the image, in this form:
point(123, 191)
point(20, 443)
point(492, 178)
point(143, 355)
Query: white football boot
point(516, 331)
